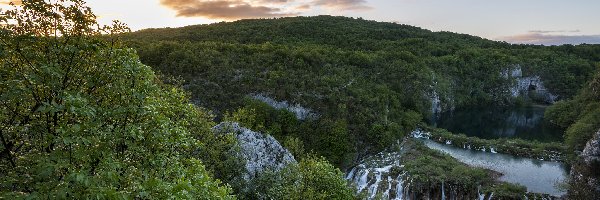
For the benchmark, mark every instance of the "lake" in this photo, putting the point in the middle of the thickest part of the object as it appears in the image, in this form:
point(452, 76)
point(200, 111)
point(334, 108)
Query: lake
point(491, 122)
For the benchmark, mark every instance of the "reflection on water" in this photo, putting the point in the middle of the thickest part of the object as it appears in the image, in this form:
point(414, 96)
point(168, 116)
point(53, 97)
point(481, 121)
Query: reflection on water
point(491, 122)
point(538, 176)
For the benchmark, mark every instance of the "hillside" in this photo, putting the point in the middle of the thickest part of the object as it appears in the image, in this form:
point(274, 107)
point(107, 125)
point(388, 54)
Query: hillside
point(291, 108)
point(370, 82)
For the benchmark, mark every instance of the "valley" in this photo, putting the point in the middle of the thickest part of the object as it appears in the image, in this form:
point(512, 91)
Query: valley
point(307, 107)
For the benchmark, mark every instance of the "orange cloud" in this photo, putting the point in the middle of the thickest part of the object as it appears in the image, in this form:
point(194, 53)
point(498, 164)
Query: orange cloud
point(7, 2)
point(240, 9)
point(303, 7)
point(224, 9)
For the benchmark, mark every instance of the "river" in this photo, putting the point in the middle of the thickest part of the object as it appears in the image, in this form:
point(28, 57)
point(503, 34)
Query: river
point(538, 176)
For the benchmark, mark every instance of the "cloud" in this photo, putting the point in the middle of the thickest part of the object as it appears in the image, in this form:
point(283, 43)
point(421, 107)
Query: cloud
point(224, 9)
point(7, 2)
point(240, 9)
point(555, 31)
point(551, 39)
point(303, 7)
point(343, 4)
point(276, 1)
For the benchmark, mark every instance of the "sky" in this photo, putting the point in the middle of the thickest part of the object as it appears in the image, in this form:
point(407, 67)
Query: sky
point(549, 22)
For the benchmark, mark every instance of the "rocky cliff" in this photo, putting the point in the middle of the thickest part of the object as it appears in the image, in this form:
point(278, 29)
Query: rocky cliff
point(260, 152)
point(585, 173)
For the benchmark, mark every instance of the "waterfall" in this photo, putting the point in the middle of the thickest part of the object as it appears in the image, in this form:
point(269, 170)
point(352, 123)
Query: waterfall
point(418, 133)
point(443, 193)
point(399, 187)
point(480, 195)
point(380, 175)
point(436, 106)
point(362, 180)
point(386, 194)
point(373, 188)
point(350, 174)
point(493, 150)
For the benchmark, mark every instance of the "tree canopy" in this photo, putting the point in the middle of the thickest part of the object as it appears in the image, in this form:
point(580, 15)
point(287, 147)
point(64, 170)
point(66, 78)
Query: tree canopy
point(81, 117)
point(370, 82)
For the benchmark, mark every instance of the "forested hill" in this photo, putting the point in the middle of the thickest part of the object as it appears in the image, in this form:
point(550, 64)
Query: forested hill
point(340, 32)
point(368, 82)
point(402, 41)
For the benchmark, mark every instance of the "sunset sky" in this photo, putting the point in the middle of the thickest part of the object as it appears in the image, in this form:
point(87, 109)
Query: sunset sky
point(517, 21)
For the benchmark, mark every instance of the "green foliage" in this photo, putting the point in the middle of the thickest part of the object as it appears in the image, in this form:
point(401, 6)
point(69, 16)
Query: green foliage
point(507, 191)
point(562, 113)
point(581, 115)
point(295, 146)
point(82, 118)
point(430, 167)
point(312, 178)
point(583, 129)
point(376, 78)
point(322, 136)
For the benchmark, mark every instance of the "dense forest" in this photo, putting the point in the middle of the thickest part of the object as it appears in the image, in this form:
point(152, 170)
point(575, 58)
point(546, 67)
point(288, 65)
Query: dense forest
point(90, 111)
point(370, 82)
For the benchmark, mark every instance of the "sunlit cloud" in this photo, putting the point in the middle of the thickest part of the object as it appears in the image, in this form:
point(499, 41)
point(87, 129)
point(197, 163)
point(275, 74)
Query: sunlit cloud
point(7, 2)
point(240, 9)
point(551, 39)
point(224, 9)
point(303, 7)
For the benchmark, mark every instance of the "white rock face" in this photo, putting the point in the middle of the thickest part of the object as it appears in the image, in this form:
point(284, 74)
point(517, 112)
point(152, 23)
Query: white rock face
point(300, 112)
point(261, 152)
point(528, 85)
point(591, 152)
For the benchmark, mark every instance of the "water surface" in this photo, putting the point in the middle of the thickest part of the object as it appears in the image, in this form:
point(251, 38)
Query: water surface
point(538, 176)
point(492, 122)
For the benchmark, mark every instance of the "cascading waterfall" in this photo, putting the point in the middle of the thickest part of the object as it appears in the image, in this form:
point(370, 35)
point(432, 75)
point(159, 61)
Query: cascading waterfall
point(480, 195)
point(386, 194)
point(379, 176)
point(443, 193)
point(383, 176)
point(399, 187)
point(436, 106)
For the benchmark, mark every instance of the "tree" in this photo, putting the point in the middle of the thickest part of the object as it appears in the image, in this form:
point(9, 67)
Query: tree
point(81, 117)
point(312, 178)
